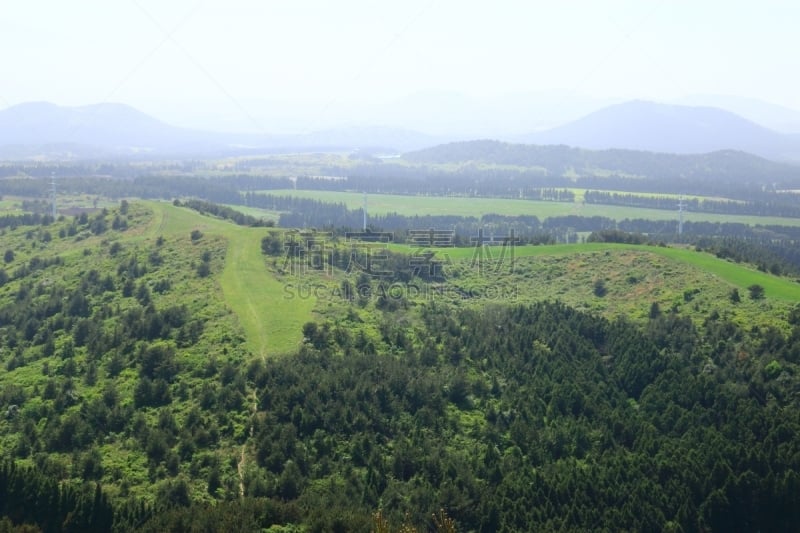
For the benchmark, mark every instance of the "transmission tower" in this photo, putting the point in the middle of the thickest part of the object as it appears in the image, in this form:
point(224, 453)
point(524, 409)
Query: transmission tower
point(681, 207)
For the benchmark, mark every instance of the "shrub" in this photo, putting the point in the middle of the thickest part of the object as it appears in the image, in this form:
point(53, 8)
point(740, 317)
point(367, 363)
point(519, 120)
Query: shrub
point(756, 291)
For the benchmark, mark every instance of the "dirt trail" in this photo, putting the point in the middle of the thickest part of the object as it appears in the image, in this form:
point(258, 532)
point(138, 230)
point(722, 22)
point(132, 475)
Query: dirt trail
point(243, 456)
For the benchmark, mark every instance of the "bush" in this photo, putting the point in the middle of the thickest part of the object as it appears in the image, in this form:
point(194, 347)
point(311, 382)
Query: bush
point(756, 291)
point(735, 298)
point(773, 369)
point(272, 244)
point(600, 289)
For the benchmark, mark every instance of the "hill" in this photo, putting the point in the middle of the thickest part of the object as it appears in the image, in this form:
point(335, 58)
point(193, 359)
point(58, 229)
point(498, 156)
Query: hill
point(557, 160)
point(519, 393)
point(640, 125)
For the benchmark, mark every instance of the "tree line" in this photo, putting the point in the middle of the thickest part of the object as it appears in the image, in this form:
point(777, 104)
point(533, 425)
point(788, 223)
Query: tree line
point(778, 207)
point(221, 211)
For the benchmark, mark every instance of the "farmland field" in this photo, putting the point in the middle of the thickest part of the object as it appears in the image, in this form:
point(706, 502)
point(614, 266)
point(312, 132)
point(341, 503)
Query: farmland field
point(380, 204)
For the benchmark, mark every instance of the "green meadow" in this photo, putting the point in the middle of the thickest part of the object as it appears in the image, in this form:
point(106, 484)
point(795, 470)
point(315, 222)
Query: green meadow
point(252, 292)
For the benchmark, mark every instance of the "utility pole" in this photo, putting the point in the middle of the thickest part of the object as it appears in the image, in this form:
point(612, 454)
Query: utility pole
point(53, 195)
point(365, 211)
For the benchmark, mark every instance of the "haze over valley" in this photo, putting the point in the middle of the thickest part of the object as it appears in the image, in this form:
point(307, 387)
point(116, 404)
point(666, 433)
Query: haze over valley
point(113, 130)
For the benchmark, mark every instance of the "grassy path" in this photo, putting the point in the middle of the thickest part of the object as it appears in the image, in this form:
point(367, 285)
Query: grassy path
point(272, 324)
point(242, 283)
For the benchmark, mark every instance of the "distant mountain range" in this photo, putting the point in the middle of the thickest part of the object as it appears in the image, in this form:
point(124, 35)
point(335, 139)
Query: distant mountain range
point(42, 129)
point(652, 127)
point(462, 117)
point(103, 130)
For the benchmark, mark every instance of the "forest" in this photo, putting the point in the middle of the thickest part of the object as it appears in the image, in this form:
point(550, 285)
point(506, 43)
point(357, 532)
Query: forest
point(476, 168)
point(663, 427)
point(708, 169)
point(775, 207)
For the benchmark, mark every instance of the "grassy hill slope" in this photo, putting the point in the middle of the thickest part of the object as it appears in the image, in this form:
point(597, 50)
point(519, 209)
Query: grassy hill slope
point(134, 335)
point(737, 275)
point(251, 292)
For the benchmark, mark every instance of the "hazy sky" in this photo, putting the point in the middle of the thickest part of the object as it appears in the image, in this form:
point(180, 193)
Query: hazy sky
point(237, 61)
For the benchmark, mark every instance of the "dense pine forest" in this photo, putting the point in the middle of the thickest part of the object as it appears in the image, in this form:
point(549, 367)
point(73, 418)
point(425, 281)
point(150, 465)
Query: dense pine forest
point(539, 418)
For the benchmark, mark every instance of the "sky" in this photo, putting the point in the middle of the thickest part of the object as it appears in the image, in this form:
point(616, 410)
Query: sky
point(304, 64)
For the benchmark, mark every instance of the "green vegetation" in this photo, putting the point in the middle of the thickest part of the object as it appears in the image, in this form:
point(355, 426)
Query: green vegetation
point(723, 166)
point(250, 291)
point(739, 275)
point(444, 416)
point(255, 212)
point(166, 369)
point(272, 324)
point(579, 195)
point(148, 292)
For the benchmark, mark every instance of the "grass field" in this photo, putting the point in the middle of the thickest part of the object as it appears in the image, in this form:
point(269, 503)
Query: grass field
point(271, 326)
point(467, 206)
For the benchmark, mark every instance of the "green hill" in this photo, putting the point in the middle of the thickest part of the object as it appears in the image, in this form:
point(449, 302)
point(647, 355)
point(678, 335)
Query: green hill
point(156, 363)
